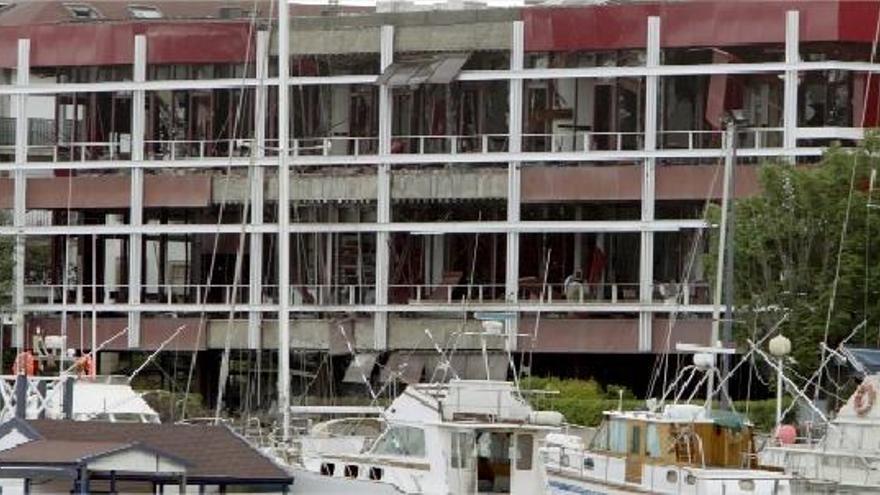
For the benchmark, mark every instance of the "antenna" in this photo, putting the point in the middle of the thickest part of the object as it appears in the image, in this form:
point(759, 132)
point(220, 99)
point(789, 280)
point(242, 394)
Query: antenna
point(705, 360)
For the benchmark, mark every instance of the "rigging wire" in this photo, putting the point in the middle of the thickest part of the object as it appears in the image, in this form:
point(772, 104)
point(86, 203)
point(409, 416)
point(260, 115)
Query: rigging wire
point(661, 365)
point(228, 173)
point(843, 231)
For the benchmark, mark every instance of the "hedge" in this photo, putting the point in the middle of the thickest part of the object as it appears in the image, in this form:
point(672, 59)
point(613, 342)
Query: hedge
point(582, 402)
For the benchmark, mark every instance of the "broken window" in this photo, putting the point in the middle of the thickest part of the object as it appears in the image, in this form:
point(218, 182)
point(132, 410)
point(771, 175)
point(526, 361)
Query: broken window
point(436, 69)
point(144, 12)
point(233, 13)
point(81, 11)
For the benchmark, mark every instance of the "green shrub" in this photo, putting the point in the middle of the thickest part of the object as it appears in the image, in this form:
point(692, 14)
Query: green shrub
point(582, 402)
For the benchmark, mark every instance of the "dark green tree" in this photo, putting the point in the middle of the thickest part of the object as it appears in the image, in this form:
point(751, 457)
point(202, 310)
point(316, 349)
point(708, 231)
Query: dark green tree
point(786, 248)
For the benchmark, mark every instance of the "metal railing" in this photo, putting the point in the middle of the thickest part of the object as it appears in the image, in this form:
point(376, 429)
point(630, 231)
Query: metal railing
point(355, 294)
point(445, 293)
point(579, 141)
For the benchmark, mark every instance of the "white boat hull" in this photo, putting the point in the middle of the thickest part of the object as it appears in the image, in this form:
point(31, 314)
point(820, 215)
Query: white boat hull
point(308, 483)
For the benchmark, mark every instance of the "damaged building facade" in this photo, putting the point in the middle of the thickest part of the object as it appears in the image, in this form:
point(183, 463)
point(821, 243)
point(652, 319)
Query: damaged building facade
point(549, 163)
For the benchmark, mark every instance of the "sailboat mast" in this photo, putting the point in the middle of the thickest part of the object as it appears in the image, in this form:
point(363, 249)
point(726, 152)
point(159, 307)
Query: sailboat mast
point(722, 248)
point(283, 219)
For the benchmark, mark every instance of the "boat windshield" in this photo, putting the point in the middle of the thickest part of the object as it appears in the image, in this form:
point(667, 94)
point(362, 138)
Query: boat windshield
point(398, 440)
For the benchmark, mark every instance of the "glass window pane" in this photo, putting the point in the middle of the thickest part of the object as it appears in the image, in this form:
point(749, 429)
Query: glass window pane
point(635, 441)
point(524, 445)
point(617, 436)
point(652, 442)
point(404, 441)
point(462, 450)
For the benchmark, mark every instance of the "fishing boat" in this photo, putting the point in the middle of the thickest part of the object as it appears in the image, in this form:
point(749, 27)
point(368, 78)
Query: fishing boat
point(846, 459)
point(681, 449)
point(669, 448)
point(465, 436)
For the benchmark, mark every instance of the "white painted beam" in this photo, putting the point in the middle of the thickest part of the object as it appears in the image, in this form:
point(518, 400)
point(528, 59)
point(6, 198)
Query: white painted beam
point(524, 158)
point(136, 211)
point(790, 89)
point(257, 175)
point(514, 179)
point(383, 190)
point(23, 69)
point(452, 309)
point(284, 218)
point(468, 75)
point(414, 228)
point(646, 249)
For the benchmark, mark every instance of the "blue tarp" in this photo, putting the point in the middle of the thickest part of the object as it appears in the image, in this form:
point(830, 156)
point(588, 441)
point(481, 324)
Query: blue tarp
point(867, 359)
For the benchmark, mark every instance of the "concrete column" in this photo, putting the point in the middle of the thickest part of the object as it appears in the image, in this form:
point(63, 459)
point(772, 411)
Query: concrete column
point(257, 175)
point(284, 217)
point(20, 187)
point(135, 241)
point(515, 112)
point(646, 261)
point(383, 190)
point(792, 56)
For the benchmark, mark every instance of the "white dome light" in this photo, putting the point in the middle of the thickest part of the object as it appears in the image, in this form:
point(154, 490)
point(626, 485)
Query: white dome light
point(780, 346)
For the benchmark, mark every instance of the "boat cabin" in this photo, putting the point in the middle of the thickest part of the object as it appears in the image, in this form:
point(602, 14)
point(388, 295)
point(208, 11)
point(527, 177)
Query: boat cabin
point(723, 441)
point(682, 449)
point(461, 437)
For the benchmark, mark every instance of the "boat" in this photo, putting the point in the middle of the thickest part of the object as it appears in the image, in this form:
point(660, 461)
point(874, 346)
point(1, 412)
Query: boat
point(846, 459)
point(680, 449)
point(69, 396)
point(464, 436)
point(668, 448)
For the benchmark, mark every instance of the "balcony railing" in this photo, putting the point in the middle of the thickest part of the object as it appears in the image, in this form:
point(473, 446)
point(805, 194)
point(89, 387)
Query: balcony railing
point(44, 142)
point(355, 295)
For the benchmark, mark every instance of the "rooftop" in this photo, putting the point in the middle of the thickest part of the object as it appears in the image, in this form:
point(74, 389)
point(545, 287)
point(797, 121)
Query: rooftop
point(209, 451)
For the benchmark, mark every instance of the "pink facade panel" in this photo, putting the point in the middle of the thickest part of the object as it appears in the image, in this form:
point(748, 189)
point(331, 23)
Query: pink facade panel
point(60, 45)
point(609, 335)
point(624, 183)
point(692, 23)
point(49, 193)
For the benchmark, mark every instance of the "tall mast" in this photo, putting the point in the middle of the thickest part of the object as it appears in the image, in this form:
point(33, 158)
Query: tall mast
point(729, 133)
point(283, 218)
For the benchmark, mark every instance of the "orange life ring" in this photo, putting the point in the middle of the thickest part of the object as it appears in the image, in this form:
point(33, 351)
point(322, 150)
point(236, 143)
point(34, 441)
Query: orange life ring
point(864, 398)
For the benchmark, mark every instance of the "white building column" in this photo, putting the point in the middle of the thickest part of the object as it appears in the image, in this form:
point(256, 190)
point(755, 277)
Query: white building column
point(646, 261)
point(515, 112)
point(136, 215)
point(790, 95)
point(257, 175)
point(383, 192)
point(284, 217)
point(23, 69)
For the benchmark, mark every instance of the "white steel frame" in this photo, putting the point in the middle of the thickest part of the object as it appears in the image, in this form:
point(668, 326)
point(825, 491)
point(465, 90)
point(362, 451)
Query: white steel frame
point(384, 161)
